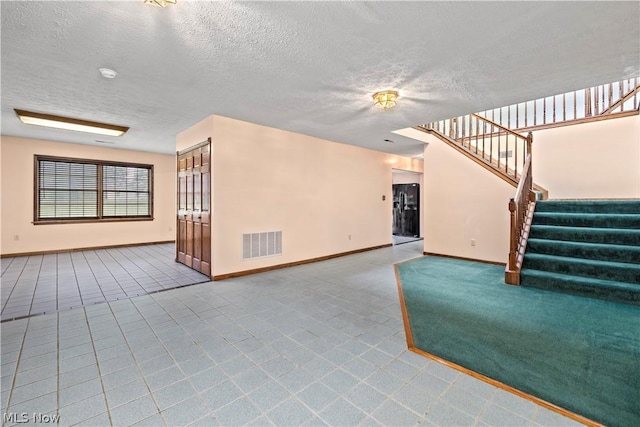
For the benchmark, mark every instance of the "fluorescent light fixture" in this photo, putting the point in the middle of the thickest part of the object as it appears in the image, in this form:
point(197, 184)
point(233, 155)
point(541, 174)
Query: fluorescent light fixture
point(67, 123)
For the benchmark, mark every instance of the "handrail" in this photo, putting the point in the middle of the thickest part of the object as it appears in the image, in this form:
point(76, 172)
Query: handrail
point(521, 209)
point(499, 126)
point(499, 147)
point(623, 100)
point(469, 154)
point(609, 100)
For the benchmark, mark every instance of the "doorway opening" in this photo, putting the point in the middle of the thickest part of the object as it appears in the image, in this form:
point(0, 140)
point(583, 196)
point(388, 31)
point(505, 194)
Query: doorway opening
point(406, 206)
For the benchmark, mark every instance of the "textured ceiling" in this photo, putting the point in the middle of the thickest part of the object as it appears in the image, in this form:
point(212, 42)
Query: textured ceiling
point(307, 67)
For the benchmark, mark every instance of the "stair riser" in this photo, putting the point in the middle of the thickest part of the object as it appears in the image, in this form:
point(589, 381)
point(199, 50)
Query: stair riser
point(611, 221)
point(584, 269)
point(614, 207)
point(577, 288)
point(630, 237)
point(629, 254)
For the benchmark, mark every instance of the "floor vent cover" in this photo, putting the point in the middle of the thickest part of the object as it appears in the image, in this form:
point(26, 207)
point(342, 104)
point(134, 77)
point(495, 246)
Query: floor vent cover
point(258, 245)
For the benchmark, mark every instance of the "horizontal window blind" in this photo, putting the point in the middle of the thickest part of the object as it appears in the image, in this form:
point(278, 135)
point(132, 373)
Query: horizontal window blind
point(67, 190)
point(125, 191)
point(75, 190)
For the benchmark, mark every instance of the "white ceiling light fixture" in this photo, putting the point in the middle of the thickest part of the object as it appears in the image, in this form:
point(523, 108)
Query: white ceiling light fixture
point(386, 99)
point(160, 3)
point(108, 73)
point(68, 123)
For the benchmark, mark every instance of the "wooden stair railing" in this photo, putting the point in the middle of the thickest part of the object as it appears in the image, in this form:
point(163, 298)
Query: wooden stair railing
point(606, 101)
point(521, 209)
point(622, 102)
point(491, 145)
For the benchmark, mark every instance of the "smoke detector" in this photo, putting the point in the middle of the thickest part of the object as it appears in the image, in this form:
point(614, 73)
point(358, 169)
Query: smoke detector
point(108, 73)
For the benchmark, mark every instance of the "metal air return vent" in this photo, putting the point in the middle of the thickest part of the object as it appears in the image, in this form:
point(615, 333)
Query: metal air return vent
point(259, 245)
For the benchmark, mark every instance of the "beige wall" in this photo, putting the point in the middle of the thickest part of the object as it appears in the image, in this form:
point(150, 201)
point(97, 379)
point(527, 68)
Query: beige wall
point(17, 200)
point(195, 134)
point(317, 192)
point(464, 201)
point(592, 160)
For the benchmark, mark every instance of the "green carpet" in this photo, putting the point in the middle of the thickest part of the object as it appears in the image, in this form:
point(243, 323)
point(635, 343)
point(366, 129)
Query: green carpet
point(579, 353)
point(586, 248)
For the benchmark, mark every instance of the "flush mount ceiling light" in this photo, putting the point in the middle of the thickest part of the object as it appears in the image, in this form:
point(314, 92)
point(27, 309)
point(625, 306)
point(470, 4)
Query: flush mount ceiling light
point(160, 3)
point(67, 123)
point(108, 73)
point(385, 100)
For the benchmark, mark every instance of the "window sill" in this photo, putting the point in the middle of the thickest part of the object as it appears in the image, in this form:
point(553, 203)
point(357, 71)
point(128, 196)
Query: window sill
point(86, 221)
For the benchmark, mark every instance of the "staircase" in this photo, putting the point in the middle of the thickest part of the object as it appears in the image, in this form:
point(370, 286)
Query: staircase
point(498, 149)
point(583, 247)
point(587, 248)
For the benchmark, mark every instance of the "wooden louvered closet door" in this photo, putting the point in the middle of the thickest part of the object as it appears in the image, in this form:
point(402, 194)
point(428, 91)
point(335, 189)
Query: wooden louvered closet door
point(193, 227)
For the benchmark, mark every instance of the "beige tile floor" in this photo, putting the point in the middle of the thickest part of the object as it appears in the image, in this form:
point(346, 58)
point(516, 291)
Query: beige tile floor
point(318, 344)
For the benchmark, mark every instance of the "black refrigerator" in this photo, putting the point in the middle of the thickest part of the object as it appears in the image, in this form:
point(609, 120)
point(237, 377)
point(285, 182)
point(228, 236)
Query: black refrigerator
point(406, 210)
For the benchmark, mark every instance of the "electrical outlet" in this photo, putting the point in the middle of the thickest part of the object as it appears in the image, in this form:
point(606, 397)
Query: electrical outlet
point(473, 242)
point(170, 229)
point(349, 236)
point(16, 237)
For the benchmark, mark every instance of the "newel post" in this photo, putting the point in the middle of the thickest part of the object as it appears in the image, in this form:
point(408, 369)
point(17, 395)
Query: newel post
point(513, 246)
point(531, 196)
point(511, 276)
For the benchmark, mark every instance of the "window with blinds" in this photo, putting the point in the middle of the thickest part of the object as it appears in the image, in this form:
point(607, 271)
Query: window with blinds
point(67, 190)
point(125, 191)
point(78, 189)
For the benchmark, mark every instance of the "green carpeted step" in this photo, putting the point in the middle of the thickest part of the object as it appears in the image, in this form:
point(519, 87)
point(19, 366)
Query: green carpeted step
point(598, 220)
point(605, 270)
point(612, 236)
point(598, 251)
point(585, 247)
point(589, 206)
point(609, 290)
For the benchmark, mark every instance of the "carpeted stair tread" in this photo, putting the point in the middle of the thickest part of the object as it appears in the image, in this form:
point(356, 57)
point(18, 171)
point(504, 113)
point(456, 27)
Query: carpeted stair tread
point(613, 236)
point(597, 251)
point(609, 290)
point(589, 206)
point(606, 270)
point(597, 220)
point(585, 247)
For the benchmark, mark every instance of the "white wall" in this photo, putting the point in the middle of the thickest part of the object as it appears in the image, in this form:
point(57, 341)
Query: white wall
point(592, 160)
point(405, 177)
point(17, 200)
point(317, 192)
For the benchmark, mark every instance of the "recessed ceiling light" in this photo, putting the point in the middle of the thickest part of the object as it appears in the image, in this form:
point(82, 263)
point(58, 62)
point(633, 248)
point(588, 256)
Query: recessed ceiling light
point(67, 123)
point(108, 73)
